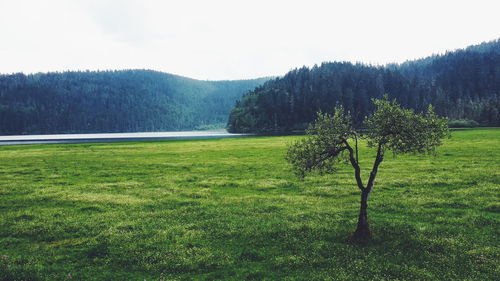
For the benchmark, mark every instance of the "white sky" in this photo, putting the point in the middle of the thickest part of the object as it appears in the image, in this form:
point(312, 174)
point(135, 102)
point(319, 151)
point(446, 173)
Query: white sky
point(224, 39)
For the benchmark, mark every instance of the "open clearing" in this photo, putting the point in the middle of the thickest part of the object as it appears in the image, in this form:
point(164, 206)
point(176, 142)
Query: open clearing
point(233, 209)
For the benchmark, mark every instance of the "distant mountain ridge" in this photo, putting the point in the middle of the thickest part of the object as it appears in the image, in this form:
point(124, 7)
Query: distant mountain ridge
point(463, 84)
point(114, 101)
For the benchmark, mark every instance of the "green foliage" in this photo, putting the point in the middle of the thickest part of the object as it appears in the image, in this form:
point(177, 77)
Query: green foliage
point(390, 127)
point(324, 147)
point(114, 101)
point(217, 126)
point(230, 210)
point(402, 131)
point(462, 123)
point(461, 85)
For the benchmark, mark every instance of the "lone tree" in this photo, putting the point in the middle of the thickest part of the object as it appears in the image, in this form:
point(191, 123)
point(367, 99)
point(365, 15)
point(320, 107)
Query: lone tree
point(333, 138)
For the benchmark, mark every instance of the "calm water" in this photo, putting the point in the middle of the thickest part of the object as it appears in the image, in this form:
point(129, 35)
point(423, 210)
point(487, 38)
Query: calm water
point(114, 137)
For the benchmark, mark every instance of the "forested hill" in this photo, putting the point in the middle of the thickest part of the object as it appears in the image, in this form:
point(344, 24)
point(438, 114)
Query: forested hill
point(114, 101)
point(464, 84)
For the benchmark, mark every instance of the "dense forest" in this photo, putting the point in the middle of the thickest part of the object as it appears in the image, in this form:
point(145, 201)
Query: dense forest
point(114, 101)
point(462, 85)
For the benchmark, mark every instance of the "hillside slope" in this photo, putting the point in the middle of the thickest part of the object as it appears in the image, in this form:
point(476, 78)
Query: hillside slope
point(464, 84)
point(114, 101)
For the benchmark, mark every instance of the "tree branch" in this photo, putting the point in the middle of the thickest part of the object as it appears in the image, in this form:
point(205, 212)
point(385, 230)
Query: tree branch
point(326, 156)
point(378, 159)
point(356, 138)
point(355, 165)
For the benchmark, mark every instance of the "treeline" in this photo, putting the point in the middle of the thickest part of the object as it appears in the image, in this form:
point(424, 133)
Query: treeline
point(462, 85)
point(114, 101)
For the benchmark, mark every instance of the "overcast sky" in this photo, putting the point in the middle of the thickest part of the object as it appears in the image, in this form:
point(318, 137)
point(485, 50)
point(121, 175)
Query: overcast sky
point(219, 39)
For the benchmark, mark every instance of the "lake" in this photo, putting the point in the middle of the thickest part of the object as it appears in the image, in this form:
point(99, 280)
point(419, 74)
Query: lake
point(114, 137)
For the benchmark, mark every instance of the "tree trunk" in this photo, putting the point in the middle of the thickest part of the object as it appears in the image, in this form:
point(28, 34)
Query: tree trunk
point(362, 232)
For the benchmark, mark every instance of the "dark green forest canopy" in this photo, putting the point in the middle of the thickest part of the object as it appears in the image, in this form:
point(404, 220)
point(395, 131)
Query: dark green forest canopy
point(464, 84)
point(114, 101)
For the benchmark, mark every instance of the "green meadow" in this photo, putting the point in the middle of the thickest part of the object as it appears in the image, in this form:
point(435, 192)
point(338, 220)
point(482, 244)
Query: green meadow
point(232, 209)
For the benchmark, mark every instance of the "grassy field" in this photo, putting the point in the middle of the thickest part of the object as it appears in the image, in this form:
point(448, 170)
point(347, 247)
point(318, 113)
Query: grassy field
point(232, 209)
